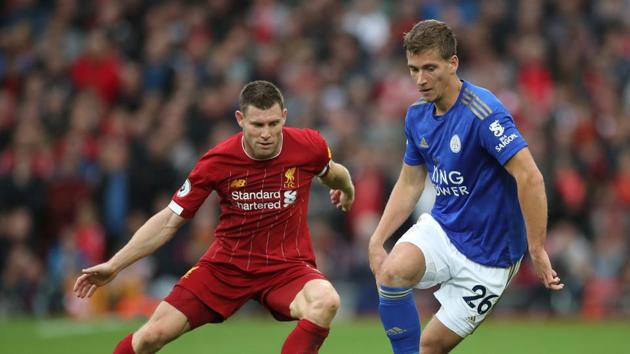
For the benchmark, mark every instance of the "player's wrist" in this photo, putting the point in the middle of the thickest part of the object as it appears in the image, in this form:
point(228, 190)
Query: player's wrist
point(349, 190)
point(536, 250)
point(115, 265)
point(376, 241)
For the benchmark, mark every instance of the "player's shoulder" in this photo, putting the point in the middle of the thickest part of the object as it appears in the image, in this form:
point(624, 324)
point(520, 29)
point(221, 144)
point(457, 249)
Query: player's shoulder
point(302, 135)
point(481, 101)
point(419, 106)
point(230, 146)
point(419, 109)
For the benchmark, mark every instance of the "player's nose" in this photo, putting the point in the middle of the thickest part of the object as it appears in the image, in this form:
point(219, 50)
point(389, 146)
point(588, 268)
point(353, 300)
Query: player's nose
point(421, 79)
point(265, 133)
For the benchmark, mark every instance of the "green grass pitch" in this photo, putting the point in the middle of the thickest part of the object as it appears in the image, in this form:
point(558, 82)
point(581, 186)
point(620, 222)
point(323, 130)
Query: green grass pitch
point(246, 335)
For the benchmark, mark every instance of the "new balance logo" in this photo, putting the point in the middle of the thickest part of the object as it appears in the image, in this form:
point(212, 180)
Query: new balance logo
point(394, 331)
point(423, 143)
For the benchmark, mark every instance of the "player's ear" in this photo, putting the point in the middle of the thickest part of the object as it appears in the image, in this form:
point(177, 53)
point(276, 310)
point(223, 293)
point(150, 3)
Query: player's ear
point(453, 64)
point(239, 117)
point(285, 113)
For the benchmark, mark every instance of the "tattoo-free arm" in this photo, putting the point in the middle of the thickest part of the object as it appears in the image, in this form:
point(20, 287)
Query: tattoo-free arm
point(340, 183)
point(533, 202)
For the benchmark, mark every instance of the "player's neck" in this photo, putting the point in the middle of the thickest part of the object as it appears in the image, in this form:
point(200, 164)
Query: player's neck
point(249, 151)
point(449, 98)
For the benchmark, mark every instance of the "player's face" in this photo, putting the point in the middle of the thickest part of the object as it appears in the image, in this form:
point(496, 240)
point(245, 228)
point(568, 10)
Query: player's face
point(431, 73)
point(262, 130)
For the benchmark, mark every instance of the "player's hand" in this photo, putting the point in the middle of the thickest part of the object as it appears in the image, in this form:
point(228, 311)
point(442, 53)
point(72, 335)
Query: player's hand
point(341, 199)
point(377, 255)
point(546, 274)
point(92, 278)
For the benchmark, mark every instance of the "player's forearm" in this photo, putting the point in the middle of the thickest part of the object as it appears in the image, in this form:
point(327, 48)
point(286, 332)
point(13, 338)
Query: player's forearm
point(533, 202)
point(149, 237)
point(400, 205)
point(339, 178)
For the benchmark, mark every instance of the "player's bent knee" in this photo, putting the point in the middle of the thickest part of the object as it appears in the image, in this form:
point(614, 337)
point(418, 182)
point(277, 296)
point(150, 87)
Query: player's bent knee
point(394, 275)
point(324, 306)
point(431, 345)
point(327, 303)
point(151, 338)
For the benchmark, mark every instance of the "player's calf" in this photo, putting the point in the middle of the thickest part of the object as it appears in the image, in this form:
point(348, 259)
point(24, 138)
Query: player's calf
point(399, 315)
point(124, 346)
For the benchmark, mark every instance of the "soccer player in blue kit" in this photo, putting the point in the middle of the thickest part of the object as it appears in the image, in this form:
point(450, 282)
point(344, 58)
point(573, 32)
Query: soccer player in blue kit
point(489, 210)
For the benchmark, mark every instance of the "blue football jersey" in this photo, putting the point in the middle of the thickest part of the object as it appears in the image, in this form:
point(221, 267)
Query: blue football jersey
point(464, 151)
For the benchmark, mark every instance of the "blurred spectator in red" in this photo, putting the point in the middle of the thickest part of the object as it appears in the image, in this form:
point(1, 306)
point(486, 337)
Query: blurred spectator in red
point(622, 179)
point(98, 68)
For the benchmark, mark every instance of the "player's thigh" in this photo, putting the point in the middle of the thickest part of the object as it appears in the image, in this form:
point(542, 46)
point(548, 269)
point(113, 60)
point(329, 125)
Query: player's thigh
point(281, 292)
point(210, 294)
point(189, 304)
point(470, 295)
point(420, 255)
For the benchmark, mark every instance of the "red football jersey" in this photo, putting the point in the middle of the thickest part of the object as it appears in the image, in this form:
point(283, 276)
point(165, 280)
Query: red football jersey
point(264, 203)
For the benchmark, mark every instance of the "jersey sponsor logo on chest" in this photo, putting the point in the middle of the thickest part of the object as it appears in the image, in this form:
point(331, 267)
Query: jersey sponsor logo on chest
point(260, 200)
point(448, 182)
point(266, 199)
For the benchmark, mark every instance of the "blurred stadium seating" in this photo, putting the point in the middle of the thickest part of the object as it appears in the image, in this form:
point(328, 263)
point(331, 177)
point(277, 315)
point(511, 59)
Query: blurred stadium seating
point(106, 105)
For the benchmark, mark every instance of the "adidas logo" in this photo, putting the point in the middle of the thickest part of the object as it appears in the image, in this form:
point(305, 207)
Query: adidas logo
point(395, 330)
point(423, 143)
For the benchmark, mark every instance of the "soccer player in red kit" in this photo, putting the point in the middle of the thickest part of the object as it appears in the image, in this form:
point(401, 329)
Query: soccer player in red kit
point(262, 249)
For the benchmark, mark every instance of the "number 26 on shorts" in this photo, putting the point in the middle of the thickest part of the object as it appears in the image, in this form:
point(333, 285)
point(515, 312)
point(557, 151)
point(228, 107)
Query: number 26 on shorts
point(482, 306)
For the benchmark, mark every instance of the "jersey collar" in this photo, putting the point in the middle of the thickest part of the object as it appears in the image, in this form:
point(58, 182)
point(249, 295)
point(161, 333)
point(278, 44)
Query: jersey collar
point(269, 158)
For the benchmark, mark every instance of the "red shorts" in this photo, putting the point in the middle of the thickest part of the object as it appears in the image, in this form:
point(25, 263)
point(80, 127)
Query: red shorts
point(210, 293)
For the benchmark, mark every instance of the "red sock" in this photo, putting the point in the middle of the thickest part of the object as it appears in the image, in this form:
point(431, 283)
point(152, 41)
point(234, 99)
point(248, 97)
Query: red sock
point(124, 346)
point(306, 338)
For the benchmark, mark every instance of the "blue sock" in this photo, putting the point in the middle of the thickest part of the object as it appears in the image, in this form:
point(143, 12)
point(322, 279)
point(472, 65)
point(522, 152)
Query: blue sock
point(400, 319)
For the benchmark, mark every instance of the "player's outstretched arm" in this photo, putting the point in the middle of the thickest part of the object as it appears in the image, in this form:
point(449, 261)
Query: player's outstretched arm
point(533, 202)
point(340, 183)
point(154, 233)
point(400, 205)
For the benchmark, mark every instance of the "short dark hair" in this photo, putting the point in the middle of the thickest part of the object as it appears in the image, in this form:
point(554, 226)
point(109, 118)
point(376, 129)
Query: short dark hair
point(260, 94)
point(431, 34)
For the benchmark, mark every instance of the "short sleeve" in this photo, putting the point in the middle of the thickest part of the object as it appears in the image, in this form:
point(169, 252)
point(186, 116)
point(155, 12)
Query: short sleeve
point(500, 138)
point(412, 155)
point(322, 154)
point(187, 200)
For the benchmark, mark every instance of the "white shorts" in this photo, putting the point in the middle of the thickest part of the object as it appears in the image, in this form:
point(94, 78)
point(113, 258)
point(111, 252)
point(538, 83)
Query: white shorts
point(468, 290)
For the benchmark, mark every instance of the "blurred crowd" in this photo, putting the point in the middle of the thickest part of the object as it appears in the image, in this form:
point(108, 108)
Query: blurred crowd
point(106, 105)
